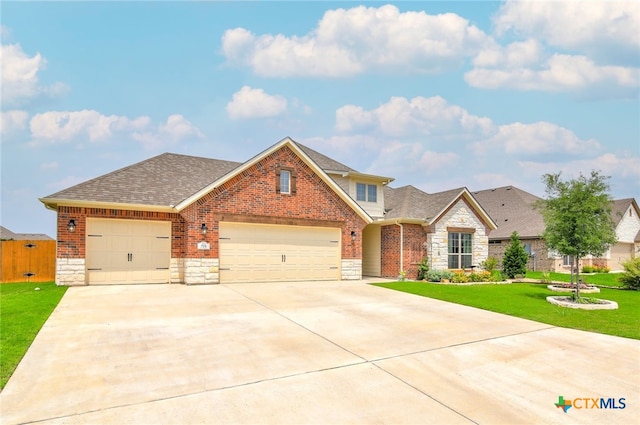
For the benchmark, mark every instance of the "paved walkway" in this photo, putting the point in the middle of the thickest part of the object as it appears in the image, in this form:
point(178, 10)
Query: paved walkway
point(323, 352)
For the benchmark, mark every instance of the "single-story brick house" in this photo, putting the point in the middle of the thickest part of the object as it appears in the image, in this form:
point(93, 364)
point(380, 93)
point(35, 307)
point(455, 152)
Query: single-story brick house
point(513, 209)
point(289, 213)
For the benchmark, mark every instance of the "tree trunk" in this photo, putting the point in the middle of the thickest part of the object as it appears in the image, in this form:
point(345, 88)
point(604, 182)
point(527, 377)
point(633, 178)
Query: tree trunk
point(577, 277)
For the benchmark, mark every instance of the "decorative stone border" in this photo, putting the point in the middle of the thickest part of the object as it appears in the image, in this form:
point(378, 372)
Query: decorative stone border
point(590, 290)
point(566, 302)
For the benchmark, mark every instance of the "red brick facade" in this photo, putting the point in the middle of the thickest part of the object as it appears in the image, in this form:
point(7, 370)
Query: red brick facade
point(73, 245)
point(413, 237)
point(250, 196)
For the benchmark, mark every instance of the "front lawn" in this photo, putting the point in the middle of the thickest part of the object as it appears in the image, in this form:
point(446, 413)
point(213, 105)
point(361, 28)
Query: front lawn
point(603, 279)
point(23, 311)
point(528, 301)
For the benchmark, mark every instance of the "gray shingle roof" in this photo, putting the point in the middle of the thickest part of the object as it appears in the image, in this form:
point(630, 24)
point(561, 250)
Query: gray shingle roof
point(619, 208)
point(163, 180)
point(512, 209)
point(323, 161)
point(411, 202)
point(8, 235)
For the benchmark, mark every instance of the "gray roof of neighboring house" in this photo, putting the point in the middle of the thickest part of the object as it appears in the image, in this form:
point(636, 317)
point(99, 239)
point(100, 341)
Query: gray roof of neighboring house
point(411, 202)
point(619, 208)
point(512, 209)
point(7, 234)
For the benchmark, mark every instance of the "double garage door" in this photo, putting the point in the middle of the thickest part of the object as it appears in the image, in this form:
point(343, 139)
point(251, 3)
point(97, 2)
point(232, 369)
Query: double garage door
point(268, 253)
point(128, 251)
point(139, 251)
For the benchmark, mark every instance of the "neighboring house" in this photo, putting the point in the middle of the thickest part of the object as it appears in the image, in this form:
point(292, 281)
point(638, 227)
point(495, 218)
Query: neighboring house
point(513, 210)
point(289, 213)
point(8, 235)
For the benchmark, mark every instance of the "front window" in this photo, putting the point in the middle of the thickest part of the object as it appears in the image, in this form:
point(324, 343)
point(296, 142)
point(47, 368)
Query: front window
point(285, 181)
point(366, 192)
point(460, 250)
point(567, 260)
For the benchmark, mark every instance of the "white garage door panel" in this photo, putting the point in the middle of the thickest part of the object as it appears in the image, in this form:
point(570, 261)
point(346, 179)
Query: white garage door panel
point(128, 251)
point(267, 253)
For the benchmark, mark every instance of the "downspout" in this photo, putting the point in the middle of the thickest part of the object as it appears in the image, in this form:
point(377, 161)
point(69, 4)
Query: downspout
point(401, 247)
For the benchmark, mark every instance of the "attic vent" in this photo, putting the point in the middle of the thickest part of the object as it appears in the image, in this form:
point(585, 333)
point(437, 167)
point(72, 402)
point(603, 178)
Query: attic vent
point(509, 188)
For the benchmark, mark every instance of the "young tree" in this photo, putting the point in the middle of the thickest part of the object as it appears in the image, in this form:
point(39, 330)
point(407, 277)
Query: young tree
point(577, 216)
point(515, 258)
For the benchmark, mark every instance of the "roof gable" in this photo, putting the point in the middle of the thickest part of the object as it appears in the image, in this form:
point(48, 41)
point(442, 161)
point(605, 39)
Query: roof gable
point(298, 151)
point(620, 207)
point(409, 203)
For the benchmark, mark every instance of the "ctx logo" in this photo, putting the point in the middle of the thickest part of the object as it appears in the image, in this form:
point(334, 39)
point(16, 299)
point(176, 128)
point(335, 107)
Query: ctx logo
point(590, 403)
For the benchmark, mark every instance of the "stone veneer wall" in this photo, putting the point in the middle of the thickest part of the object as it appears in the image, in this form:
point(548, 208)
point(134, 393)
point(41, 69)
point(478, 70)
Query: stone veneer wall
point(461, 216)
point(200, 271)
point(351, 269)
point(70, 272)
point(176, 269)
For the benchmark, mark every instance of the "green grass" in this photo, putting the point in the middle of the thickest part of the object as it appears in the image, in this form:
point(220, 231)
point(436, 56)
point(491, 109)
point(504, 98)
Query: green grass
point(23, 311)
point(604, 279)
point(528, 301)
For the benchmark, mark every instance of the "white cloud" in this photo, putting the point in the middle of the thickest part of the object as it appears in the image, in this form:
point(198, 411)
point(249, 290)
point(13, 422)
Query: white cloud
point(514, 55)
point(559, 73)
point(347, 42)
point(11, 121)
point(430, 117)
point(20, 76)
point(255, 103)
point(64, 125)
point(176, 129)
point(604, 29)
point(397, 158)
point(541, 138)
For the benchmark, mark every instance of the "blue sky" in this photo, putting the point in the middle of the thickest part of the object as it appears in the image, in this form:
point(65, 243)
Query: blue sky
point(436, 94)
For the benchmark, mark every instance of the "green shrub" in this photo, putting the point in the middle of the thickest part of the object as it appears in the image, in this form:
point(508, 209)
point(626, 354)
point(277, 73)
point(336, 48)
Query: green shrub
point(438, 275)
point(423, 268)
point(460, 277)
point(514, 262)
point(480, 276)
point(490, 264)
point(630, 279)
point(588, 269)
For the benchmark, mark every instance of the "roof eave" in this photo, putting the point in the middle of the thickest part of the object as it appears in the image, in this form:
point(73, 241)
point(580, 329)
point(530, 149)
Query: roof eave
point(382, 179)
point(54, 203)
point(401, 220)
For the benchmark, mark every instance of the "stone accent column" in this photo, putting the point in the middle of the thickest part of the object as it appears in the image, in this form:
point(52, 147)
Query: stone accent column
point(70, 272)
point(176, 269)
point(351, 269)
point(201, 271)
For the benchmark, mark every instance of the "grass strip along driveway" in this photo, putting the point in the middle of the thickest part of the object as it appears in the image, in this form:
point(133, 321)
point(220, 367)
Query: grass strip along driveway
point(528, 301)
point(23, 311)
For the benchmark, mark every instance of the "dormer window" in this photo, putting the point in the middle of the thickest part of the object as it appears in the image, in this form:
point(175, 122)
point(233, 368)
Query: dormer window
point(366, 192)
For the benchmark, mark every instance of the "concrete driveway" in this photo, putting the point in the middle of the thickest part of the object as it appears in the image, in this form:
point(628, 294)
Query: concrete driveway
point(322, 352)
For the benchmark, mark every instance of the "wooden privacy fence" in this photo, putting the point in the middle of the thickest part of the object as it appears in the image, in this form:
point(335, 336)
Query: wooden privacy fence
point(28, 261)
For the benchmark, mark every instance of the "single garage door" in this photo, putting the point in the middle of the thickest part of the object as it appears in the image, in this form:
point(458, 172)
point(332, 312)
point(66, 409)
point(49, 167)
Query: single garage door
point(128, 251)
point(276, 253)
point(620, 253)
